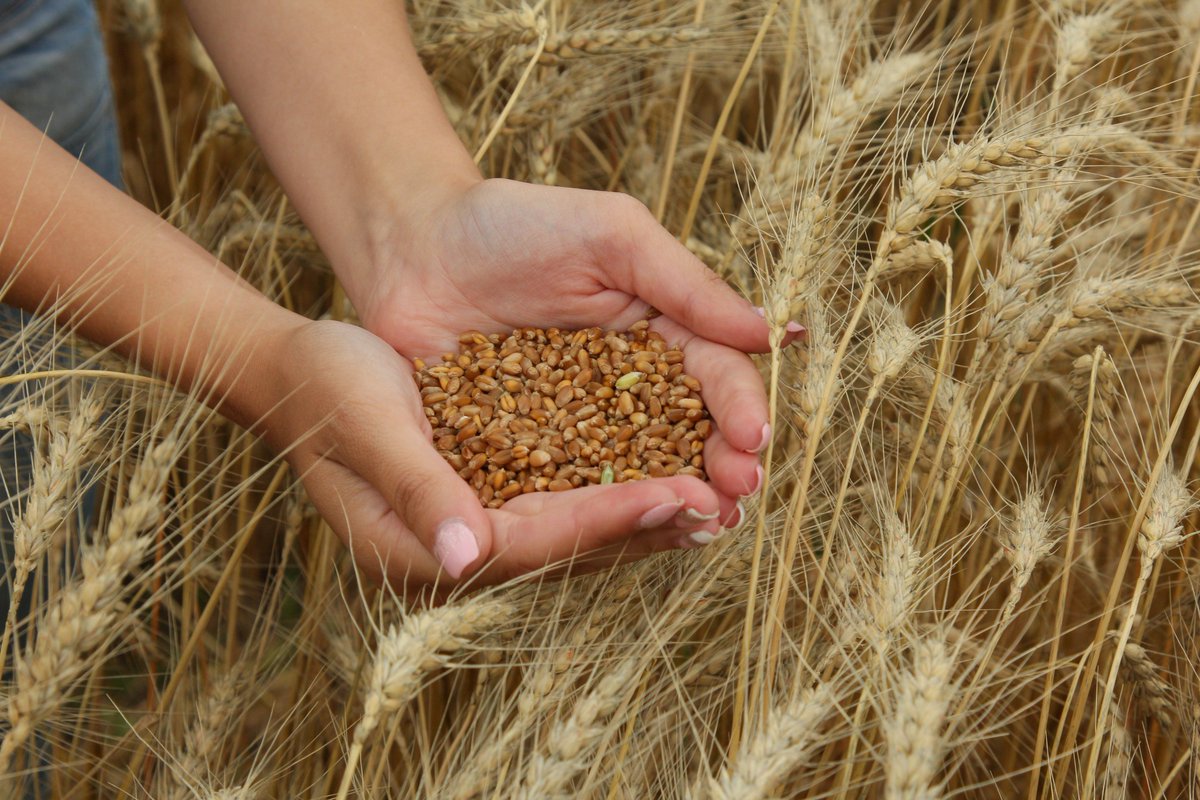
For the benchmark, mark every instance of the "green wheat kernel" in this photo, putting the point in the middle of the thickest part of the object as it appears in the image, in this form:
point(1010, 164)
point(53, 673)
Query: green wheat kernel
point(627, 380)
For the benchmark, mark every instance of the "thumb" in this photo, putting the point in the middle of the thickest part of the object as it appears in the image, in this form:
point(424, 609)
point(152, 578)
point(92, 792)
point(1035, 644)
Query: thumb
point(434, 503)
point(655, 267)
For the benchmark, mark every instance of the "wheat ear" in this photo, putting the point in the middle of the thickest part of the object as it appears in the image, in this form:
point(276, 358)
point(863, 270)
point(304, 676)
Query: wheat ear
point(405, 653)
point(1119, 762)
point(85, 614)
point(1098, 471)
point(913, 733)
point(1027, 537)
point(48, 504)
point(550, 773)
point(787, 737)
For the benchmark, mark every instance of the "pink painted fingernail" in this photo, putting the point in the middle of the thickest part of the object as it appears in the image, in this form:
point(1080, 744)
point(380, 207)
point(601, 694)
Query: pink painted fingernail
point(454, 546)
point(741, 516)
point(762, 312)
point(766, 439)
point(658, 516)
point(795, 327)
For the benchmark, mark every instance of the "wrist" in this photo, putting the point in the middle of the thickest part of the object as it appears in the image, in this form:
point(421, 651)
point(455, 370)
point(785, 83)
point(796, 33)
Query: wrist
point(400, 205)
point(248, 367)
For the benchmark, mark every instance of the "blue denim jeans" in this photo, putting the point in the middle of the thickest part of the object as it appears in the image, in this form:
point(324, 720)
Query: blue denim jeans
point(53, 72)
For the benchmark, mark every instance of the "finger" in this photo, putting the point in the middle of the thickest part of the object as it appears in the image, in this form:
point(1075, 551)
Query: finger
point(438, 506)
point(540, 528)
point(651, 264)
point(733, 512)
point(733, 472)
point(730, 515)
point(381, 545)
point(793, 331)
point(731, 386)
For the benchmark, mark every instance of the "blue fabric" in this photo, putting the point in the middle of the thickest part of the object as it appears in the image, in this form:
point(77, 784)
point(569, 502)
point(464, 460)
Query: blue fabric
point(53, 72)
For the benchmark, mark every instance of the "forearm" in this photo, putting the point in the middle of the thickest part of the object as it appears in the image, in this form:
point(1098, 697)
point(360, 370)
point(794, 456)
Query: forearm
point(106, 266)
point(344, 112)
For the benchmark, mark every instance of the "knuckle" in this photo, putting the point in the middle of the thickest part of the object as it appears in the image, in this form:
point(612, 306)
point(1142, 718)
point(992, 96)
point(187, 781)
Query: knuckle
point(629, 212)
point(412, 489)
point(629, 204)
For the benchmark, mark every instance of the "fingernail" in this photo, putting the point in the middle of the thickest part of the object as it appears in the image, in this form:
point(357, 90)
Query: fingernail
point(658, 516)
point(762, 312)
point(758, 479)
point(766, 439)
point(454, 546)
point(735, 522)
point(698, 539)
point(690, 517)
point(795, 327)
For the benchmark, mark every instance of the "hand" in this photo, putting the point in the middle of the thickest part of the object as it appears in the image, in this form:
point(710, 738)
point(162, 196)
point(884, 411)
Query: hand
point(495, 255)
point(350, 422)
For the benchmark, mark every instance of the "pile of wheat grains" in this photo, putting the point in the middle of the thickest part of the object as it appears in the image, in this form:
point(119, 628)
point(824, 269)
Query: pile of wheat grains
point(551, 410)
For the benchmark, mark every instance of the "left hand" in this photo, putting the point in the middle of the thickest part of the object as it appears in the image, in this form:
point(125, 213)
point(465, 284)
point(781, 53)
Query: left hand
point(498, 255)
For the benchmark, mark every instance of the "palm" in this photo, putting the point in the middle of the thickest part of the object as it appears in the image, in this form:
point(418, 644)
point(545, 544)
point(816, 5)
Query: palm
point(507, 255)
point(372, 471)
point(493, 263)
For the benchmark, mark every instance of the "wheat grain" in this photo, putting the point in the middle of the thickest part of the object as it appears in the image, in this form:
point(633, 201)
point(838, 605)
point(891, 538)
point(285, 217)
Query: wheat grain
point(550, 410)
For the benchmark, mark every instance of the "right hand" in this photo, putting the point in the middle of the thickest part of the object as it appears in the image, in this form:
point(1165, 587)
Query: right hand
point(346, 413)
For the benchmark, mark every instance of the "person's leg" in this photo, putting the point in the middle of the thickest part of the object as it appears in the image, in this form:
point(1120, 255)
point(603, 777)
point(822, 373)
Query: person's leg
point(53, 71)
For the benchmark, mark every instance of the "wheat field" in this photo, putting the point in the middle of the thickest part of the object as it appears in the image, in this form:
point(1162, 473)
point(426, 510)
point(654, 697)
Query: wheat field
point(970, 572)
